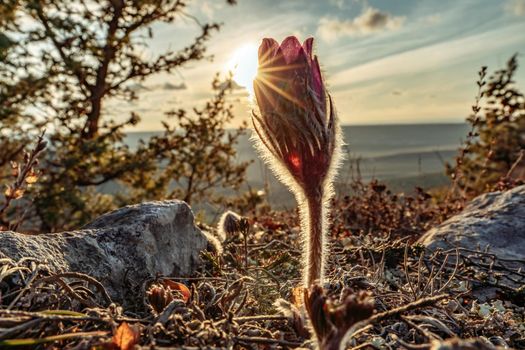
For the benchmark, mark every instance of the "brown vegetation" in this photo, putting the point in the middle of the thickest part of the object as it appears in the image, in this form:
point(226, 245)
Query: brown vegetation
point(381, 290)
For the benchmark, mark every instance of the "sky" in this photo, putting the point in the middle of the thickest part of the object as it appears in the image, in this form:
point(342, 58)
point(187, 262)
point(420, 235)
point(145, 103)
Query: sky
point(384, 61)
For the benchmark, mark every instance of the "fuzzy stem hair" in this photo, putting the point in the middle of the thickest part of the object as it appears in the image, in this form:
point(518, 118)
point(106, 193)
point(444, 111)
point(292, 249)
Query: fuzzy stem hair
point(312, 220)
point(313, 199)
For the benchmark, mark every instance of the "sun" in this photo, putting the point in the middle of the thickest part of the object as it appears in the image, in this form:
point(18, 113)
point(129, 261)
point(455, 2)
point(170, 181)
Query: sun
point(243, 65)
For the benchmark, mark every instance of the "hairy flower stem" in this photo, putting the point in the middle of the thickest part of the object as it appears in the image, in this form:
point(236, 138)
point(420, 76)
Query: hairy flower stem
point(312, 217)
point(298, 136)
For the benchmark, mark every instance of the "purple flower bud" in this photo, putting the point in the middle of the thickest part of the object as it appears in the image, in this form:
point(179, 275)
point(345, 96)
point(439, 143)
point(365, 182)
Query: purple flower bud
point(299, 137)
point(295, 123)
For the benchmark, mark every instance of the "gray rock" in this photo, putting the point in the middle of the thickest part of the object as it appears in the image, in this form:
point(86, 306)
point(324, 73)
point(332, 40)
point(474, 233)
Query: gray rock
point(492, 224)
point(495, 220)
point(122, 248)
point(480, 343)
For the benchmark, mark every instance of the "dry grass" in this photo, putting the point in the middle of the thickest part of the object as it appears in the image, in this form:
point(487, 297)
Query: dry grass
point(419, 297)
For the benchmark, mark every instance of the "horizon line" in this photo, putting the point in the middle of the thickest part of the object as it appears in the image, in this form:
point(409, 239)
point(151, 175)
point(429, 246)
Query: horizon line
point(344, 125)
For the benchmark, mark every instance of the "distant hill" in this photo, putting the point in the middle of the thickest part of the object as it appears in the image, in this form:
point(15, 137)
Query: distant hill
point(403, 156)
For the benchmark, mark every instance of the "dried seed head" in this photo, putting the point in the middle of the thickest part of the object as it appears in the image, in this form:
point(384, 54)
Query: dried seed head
point(331, 320)
point(244, 225)
point(229, 225)
point(159, 297)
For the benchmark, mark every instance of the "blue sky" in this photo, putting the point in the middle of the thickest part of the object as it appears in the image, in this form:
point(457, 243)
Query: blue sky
point(384, 61)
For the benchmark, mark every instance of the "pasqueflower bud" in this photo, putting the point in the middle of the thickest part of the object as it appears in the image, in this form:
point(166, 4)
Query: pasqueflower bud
point(229, 225)
point(298, 136)
point(295, 123)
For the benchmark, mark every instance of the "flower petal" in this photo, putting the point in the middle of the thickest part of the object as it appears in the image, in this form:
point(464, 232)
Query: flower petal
point(267, 51)
point(308, 48)
point(263, 96)
point(291, 49)
point(317, 80)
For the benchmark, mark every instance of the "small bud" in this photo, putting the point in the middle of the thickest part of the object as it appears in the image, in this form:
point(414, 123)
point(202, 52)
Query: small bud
point(41, 146)
point(330, 319)
point(244, 225)
point(159, 297)
point(32, 177)
point(229, 225)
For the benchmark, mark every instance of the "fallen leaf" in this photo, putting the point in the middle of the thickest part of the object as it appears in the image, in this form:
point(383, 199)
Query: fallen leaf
point(176, 286)
point(297, 297)
point(126, 337)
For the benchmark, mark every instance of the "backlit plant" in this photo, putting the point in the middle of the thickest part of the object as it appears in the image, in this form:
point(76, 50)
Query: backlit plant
point(298, 136)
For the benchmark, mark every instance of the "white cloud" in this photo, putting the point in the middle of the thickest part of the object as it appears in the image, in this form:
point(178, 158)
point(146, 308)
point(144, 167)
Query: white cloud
point(515, 7)
point(371, 20)
point(209, 9)
point(430, 57)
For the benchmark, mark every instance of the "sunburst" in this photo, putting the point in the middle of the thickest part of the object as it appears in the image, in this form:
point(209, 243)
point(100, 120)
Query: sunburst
point(243, 65)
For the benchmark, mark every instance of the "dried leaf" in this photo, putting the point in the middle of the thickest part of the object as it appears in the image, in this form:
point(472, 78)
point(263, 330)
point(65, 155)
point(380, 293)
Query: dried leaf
point(176, 286)
point(297, 297)
point(14, 194)
point(331, 320)
point(126, 337)
point(31, 178)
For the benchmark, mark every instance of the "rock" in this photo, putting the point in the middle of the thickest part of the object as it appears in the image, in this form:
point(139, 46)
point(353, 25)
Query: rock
point(480, 343)
point(121, 249)
point(495, 220)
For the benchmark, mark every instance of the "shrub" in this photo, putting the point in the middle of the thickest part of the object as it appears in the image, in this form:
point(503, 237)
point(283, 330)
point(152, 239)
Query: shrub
point(93, 55)
point(491, 157)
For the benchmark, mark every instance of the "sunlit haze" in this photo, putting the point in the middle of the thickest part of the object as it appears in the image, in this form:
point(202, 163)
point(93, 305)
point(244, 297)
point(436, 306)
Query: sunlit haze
point(243, 65)
point(384, 62)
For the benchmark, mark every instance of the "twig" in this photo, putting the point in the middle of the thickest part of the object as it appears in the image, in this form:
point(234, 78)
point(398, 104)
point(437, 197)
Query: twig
point(259, 318)
point(410, 306)
point(91, 280)
point(261, 340)
point(66, 287)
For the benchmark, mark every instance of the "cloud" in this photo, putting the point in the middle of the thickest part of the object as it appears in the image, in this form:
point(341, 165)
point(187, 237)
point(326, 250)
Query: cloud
point(370, 21)
point(170, 86)
point(430, 57)
point(137, 87)
point(226, 85)
point(210, 9)
point(515, 7)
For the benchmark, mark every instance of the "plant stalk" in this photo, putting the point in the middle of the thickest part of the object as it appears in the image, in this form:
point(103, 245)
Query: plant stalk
point(315, 240)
